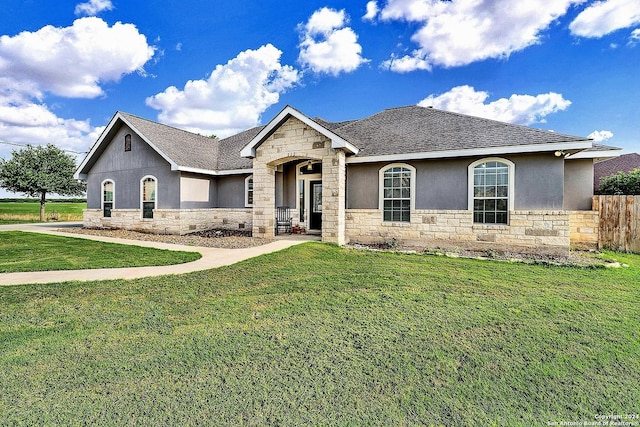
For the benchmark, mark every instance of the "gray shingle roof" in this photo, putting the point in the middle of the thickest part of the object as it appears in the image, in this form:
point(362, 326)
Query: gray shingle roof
point(400, 130)
point(416, 129)
point(184, 148)
point(229, 150)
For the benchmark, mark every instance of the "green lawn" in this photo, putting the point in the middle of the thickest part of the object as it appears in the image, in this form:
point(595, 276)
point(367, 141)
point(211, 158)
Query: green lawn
point(21, 251)
point(319, 335)
point(22, 212)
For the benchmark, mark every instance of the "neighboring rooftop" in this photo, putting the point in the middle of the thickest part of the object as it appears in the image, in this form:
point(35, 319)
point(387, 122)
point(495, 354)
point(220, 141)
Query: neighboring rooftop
point(623, 163)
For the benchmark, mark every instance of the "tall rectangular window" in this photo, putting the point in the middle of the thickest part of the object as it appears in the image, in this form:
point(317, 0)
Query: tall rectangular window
point(397, 194)
point(107, 198)
point(250, 191)
point(491, 193)
point(148, 197)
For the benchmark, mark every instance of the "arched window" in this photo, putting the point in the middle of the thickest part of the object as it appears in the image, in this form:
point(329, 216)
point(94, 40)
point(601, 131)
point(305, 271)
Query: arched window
point(148, 200)
point(127, 142)
point(397, 192)
point(491, 190)
point(248, 191)
point(108, 192)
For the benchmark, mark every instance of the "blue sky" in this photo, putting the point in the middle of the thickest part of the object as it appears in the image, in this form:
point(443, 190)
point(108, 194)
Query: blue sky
point(218, 67)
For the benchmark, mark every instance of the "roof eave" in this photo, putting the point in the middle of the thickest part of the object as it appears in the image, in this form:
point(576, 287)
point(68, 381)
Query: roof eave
point(337, 142)
point(488, 151)
point(599, 154)
point(214, 172)
point(81, 172)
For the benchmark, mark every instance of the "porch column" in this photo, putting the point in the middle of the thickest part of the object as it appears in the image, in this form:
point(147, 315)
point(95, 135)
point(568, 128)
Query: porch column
point(333, 197)
point(264, 193)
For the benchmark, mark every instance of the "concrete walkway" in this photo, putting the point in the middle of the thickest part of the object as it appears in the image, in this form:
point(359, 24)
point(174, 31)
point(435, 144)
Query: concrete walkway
point(211, 258)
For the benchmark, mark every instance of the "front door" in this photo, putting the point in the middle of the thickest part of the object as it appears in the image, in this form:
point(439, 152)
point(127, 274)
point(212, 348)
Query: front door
point(315, 217)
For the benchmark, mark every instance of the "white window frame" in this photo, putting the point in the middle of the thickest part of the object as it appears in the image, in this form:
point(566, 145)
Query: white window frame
point(412, 187)
point(113, 202)
point(511, 185)
point(155, 202)
point(246, 191)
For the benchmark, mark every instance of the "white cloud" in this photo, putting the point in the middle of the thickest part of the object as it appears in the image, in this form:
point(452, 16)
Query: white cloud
point(519, 109)
point(406, 63)
point(372, 11)
point(93, 7)
point(606, 16)
point(327, 45)
point(600, 135)
point(37, 125)
point(72, 61)
point(634, 38)
point(232, 98)
point(456, 33)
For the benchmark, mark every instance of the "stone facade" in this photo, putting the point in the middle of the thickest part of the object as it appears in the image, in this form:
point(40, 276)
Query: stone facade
point(584, 229)
point(294, 140)
point(529, 228)
point(171, 221)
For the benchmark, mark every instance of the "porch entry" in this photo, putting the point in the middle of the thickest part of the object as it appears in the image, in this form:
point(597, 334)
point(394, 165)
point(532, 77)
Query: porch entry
point(315, 215)
point(309, 177)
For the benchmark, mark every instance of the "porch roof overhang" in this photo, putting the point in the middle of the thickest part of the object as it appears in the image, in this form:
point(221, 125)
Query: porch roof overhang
point(337, 142)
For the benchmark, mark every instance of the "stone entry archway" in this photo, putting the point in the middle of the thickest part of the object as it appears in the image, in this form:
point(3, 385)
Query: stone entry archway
point(294, 140)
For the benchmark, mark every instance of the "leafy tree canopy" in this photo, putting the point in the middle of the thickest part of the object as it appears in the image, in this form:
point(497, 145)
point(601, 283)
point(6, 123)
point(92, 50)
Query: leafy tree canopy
point(40, 170)
point(627, 183)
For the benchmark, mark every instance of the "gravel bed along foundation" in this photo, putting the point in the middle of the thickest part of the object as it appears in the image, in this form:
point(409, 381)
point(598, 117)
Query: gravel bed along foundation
point(226, 239)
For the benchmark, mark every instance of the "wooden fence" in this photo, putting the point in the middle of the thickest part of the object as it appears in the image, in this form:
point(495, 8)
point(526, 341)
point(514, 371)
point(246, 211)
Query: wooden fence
point(619, 222)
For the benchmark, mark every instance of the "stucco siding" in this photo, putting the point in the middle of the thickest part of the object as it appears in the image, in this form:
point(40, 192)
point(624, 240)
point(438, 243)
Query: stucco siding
point(539, 181)
point(203, 195)
point(362, 185)
point(126, 169)
point(443, 184)
point(578, 185)
point(231, 190)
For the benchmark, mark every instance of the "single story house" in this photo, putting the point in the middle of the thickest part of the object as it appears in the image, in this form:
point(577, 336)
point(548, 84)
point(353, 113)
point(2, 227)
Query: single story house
point(410, 173)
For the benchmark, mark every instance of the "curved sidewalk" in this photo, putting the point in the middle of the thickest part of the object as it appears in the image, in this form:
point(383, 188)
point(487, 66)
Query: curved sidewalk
point(211, 258)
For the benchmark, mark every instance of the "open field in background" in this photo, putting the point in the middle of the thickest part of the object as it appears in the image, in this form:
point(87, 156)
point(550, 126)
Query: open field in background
point(22, 211)
point(320, 335)
point(21, 251)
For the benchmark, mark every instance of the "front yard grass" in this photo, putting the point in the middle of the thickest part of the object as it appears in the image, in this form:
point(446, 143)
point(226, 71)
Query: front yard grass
point(319, 335)
point(23, 251)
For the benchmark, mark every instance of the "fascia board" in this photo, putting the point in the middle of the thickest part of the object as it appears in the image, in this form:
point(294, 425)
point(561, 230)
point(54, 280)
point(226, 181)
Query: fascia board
point(336, 141)
point(79, 174)
point(174, 165)
point(489, 151)
point(594, 154)
point(213, 172)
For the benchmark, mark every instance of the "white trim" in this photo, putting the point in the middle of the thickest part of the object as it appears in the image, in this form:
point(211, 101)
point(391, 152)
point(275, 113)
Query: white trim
point(412, 187)
point(512, 182)
point(336, 142)
point(215, 173)
point(246, 191)
point(113, 202)
point(489, 151)
point(155, 201)
point(588, 154)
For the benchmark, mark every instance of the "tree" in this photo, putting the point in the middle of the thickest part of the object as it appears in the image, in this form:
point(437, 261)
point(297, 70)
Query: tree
point(627, 183)
point(38, 171)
